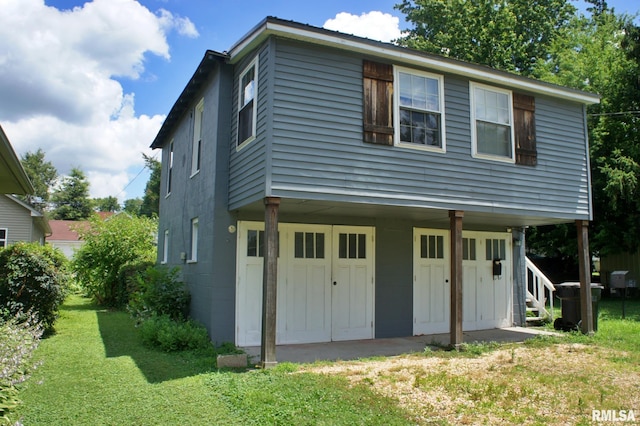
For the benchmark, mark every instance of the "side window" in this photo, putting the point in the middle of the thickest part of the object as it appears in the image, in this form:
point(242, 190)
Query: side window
point(194, 240)
point(169, 168)
point(197, 138)
point(3, 237)
point(492, 123)
point(247, 92)
point(165, 247)
point(419, 109)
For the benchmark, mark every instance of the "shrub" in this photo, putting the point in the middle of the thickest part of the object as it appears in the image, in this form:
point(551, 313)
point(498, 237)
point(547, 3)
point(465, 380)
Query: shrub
point(169, 335)
point(19, 338)
point(110, 244)
point(160, 292)
point(33, 278)
point(128, 279)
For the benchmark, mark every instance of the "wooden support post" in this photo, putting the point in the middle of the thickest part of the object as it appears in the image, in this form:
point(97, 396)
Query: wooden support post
point(269, 283)
point(584, 264)
point(455, 335)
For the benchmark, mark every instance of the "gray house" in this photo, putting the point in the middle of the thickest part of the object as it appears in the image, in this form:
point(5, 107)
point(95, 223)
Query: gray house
point(377, 190)
point(20, 222)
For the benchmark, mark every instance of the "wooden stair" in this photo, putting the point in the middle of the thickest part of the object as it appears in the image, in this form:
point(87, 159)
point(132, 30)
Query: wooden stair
point(538, 316)
point(538, 288)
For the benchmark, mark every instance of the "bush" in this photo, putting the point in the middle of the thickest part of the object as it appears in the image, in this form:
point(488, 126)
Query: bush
point(19, 338)
point(169, 335)
point(109, 245)
point(129, 277)
point(160, 292)
point(33, 278)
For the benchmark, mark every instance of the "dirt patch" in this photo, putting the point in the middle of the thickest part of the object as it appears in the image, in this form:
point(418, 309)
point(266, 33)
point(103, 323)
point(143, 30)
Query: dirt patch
point(559, 384)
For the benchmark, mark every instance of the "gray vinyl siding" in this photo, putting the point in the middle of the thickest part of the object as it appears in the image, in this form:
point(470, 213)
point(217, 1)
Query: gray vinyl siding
point(210, 280)
point(394, 279)
point(17, 221)
point(248, 166)
point(317, 150)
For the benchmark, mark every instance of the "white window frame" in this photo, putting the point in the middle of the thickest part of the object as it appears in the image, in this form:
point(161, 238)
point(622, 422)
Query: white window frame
point(254, 119)
point(165, 247)
point(396, 109)
point(169, 169)
point(4, 241)
point(474, 136)
point(196, 147)
point(193, 255)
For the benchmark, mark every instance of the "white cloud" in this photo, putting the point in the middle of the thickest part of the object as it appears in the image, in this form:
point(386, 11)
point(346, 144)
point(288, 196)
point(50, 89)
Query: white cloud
point(58, 89)
point(374, 25)
point(184, 26)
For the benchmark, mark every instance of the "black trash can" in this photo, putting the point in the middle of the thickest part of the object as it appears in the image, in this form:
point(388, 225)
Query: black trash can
point(569, 294)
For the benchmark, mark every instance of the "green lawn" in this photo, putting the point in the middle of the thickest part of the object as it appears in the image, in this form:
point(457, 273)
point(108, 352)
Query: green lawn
point(96, 372)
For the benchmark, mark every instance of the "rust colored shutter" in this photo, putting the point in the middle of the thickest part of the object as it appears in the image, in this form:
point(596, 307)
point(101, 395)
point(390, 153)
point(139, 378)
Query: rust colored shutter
point(378, 103)
point(524, 108)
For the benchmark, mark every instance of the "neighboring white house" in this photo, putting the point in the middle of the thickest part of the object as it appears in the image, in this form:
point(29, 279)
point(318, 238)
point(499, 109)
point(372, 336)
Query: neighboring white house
point(64, 236)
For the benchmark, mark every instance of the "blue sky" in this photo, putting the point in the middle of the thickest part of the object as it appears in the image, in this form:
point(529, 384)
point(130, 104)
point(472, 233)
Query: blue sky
point(91, 82)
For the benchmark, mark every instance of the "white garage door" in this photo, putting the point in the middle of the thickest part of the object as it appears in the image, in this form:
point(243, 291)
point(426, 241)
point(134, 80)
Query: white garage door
point(325, 283)
point(486, 298)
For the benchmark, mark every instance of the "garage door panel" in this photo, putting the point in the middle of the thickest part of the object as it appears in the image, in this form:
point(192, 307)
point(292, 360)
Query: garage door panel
point(249, 315)
point(469, 296)
point(431, 287)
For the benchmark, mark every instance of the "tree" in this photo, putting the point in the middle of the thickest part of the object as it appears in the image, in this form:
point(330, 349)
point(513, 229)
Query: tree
point(72, 198)
point(132, 206)
point(107, 204)
point(614, 124)
point(512, 35)
point(151, 200)
point(548, 40)
point(110, 245)
point(42, 175)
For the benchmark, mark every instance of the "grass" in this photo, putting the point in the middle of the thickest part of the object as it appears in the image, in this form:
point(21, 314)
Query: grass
point(96, 371)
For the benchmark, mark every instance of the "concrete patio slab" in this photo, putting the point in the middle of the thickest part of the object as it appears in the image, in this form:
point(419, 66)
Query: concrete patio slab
point(356, 349)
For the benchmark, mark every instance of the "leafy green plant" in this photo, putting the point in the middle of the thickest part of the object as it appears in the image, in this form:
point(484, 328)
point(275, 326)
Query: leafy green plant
point(33, 278)
point(160, 292)
point(19, 337)
point(110, 244)
point(169, 335)
point(129, 276)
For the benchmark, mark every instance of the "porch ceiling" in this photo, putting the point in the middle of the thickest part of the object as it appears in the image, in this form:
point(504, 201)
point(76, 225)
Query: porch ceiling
point(317, 211)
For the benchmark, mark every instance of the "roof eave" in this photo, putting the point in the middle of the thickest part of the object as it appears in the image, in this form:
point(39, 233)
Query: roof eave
point(186, 97)
point(292, 30)
point(22, 184)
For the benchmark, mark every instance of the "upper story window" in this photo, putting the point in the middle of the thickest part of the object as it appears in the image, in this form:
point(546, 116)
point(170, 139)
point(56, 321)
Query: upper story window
point(197, 138)
point(419, 109)
point(3, 237)
point(169, 168)
point(492, 123)
point(403, 107)
point(247, 91)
